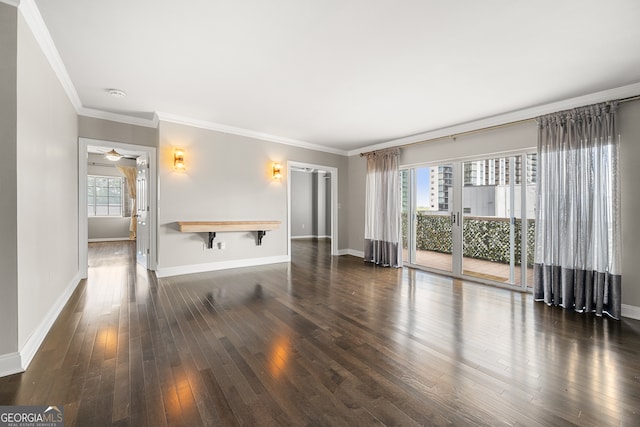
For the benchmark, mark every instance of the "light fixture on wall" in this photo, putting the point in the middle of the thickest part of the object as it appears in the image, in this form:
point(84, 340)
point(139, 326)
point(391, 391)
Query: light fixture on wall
point(277, 171)
point(113, 155)
point(178, 159)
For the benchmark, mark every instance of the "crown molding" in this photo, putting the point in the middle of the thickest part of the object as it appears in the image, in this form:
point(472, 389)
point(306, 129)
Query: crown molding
point(202, 124)
point(120, 118)
point(510, 117)
point(34, 20)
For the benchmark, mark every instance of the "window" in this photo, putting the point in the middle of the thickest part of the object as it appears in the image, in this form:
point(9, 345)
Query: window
point(104, 196)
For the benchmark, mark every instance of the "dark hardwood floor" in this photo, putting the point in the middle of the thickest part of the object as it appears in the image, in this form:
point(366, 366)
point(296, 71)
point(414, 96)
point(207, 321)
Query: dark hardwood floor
point(323, 341)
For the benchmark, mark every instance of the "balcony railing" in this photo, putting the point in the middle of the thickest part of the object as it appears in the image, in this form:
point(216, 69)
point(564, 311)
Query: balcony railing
point(484, 237)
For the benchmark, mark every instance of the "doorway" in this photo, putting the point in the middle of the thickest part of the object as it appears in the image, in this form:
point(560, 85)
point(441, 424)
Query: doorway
point(145, 199)
point(322, 203)
point(472, 218)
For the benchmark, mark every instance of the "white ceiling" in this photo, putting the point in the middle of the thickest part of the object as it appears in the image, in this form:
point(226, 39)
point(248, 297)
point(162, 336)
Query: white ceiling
point(344, 74)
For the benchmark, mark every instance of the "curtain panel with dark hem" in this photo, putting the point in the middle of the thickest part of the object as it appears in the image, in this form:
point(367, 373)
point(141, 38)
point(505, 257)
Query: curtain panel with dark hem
point(577, 262)
point(382, 217)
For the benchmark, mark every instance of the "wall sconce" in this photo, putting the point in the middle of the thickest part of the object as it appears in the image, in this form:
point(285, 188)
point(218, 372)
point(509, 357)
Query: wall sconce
point(178, 160)
point(277, 171)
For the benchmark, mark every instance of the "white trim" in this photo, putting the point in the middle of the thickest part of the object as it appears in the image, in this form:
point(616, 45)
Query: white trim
point(479, 280)
point(108, 239)
point(120, 118)
point(34, 20)
point(35, 340)
point(311, 236)
point(631, 311)
point(334, 201)
point(221, 265)
point(509, 117)
point(352, 252)
point(10, 364)
point(83, 221)
point(203, 124)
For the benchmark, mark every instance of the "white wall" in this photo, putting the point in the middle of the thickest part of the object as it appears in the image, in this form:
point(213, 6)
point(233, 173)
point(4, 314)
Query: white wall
point(228, 177)
point(47, 176)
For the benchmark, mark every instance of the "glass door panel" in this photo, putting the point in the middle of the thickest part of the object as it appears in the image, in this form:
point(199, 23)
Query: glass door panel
point(525, 217)
point(498, 209)
point(433, 209)
point(489, 236)
point(494, 239)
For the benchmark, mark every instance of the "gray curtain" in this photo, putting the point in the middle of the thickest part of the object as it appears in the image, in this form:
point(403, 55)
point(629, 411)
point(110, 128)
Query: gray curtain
point(382, 220)
point(578, 228)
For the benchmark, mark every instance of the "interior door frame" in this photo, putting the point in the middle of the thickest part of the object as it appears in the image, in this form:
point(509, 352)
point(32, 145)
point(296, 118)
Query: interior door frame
point(334, 202)
point(83, 219)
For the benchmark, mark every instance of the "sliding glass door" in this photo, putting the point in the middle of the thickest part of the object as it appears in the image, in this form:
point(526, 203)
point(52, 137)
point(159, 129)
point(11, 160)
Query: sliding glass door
point(467, 218)
point(432, 212)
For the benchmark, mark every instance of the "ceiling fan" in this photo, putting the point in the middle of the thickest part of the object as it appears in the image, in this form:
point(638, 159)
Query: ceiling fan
point(114, 155)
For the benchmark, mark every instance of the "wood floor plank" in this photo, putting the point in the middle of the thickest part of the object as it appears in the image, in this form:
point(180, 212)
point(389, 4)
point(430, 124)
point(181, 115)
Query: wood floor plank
point(323, 341)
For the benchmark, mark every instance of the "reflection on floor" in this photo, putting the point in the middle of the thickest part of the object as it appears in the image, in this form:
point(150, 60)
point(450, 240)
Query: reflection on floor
point(323, 340)
point(489, 270)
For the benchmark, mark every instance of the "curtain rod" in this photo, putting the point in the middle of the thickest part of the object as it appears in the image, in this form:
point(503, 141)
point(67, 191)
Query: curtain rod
point(380, 151)
point(470, 132)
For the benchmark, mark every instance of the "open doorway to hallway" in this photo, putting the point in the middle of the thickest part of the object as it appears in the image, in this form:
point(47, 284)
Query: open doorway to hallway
point(311, 207)
point(312, 210)
point(117, 197)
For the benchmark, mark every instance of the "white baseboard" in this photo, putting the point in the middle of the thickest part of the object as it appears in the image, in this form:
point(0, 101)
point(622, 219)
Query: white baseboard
point(108, 239)
point(310, 237)
point(10, 364)
point(222, 265)
point(37, 337)
point(631, 311)
point(353, 252)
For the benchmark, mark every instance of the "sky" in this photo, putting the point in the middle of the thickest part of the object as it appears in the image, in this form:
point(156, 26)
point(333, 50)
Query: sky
point(422, 188)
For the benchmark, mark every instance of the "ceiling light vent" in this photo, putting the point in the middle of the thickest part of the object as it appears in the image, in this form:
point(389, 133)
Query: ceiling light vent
point(116, 93)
